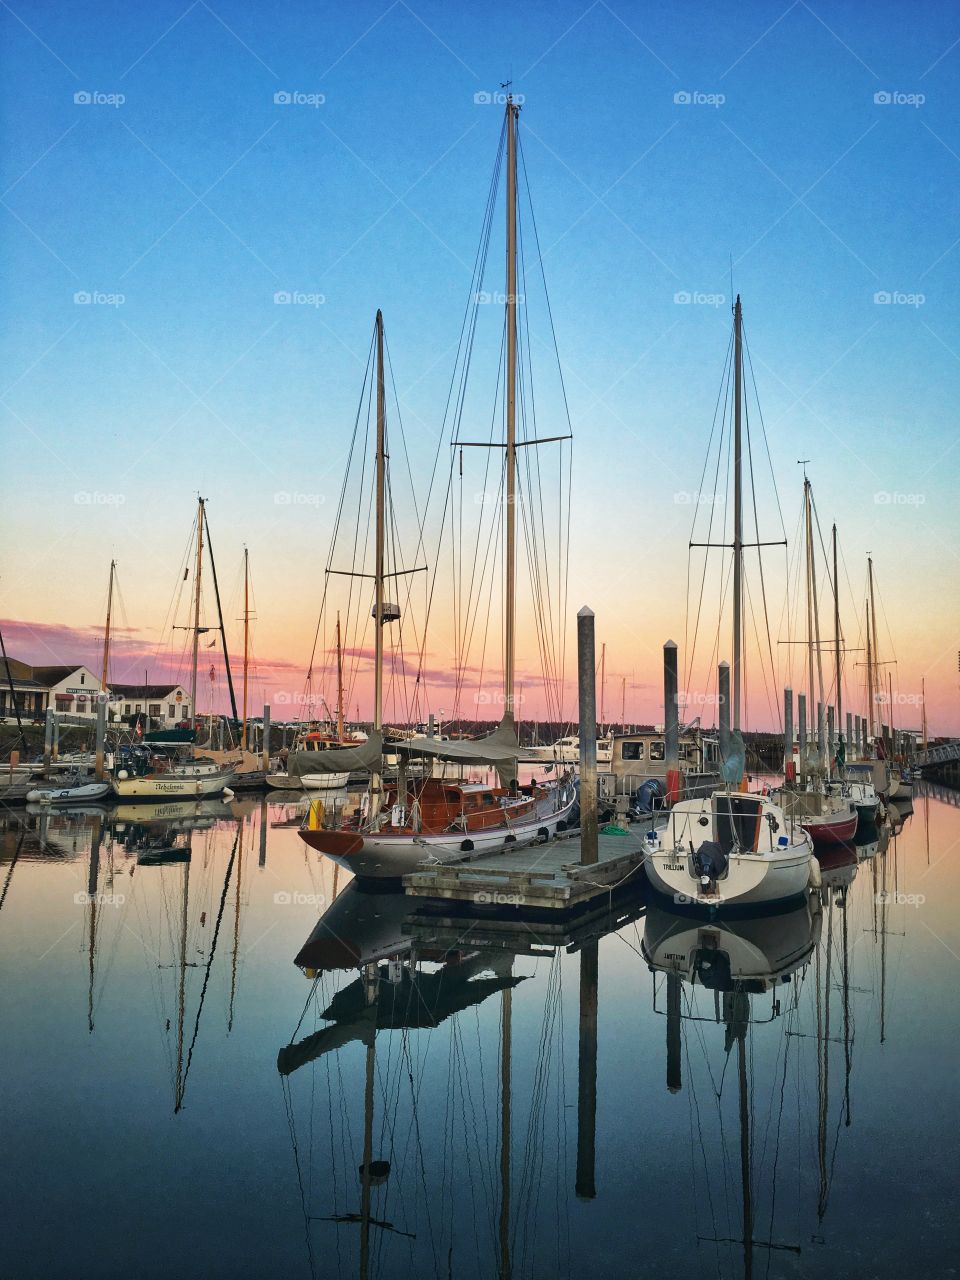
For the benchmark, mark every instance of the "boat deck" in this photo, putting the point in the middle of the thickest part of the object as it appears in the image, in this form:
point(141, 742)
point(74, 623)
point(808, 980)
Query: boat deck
point(538, 876)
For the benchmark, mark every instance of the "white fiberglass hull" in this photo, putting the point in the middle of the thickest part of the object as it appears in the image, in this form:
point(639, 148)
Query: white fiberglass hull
point(308, 782)
point(172, 786)
point(752, 879)
point(382, 856)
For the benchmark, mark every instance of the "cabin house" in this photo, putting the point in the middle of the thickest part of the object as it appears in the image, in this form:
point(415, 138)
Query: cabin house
point(165, 704)
point(636, 757)
point(69, 689)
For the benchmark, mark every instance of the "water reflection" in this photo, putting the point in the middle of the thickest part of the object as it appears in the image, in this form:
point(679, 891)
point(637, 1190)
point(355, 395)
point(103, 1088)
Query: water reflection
point(419, 1091)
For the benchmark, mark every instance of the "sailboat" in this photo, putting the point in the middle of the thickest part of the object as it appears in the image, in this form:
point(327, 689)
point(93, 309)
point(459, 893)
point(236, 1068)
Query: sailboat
point(731, 849)
point(827, 812)
point(163, 769)
point(415, 818)
point(316, 740)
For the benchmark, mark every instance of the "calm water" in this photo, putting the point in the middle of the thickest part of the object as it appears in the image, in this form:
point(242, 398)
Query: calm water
point(193, 1072)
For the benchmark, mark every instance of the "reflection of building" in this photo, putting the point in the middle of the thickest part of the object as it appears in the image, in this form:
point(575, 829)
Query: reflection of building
point(72, 690)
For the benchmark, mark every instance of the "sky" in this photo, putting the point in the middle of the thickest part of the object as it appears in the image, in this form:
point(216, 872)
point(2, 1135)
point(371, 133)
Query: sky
point(168, 171)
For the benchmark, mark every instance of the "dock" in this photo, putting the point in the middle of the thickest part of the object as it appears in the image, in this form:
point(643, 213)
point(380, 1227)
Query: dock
point(540, 877)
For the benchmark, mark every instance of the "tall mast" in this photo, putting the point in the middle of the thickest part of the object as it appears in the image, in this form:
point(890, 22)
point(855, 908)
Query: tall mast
point(603, 682)
point(869, 678)
point(246, 642)
point(378, 566)
point(872, 621)
point(106, 631)
point(196, 611)
point(339, 683)
point(510, 572)
point(923, 711)
point(808, 538)
point(737, 505)
point(836, 634)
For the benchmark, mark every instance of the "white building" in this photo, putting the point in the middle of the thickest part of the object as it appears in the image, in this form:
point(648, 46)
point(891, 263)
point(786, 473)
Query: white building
point(166, 704)
point(72, 690)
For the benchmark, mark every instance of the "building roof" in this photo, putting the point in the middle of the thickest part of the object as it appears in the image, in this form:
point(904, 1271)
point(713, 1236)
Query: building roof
point(49, 676)
point(144, 690)
point(19, 670)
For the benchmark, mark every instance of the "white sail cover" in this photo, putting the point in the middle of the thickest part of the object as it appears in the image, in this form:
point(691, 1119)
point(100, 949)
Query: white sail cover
point(501, 747)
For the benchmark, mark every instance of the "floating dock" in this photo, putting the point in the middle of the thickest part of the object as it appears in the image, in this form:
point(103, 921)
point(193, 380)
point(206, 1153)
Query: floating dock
point(542, 877)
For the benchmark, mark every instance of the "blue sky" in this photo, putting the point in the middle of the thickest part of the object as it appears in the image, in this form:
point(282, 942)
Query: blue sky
point(199, 197)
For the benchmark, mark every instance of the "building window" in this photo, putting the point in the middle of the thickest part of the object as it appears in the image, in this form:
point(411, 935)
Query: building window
point(154, 709)
point(632, 751)
point(126, 708)
point(138, 707)
point(64, 702)
point(83, 678)
point(172, 711)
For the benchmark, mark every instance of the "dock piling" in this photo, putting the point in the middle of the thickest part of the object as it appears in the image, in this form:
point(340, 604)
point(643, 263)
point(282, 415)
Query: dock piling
point(671, 720)
point(587, 688)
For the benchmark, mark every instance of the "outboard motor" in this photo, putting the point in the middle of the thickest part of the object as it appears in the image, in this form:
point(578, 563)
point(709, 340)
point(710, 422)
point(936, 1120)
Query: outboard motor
point(647, 798)
point(709, 861)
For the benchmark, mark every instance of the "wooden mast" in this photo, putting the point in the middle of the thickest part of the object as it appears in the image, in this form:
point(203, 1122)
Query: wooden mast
point(375, 783)
point(106, 632)
point(603, 685)
point(737, 506)
point(246, 642)
point(510, 585)
point(339, 683)
point(196, 613)
point(869, 730)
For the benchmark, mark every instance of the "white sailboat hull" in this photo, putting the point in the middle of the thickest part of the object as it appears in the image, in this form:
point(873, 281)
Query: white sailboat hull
point(308, 781)
point(172, 787)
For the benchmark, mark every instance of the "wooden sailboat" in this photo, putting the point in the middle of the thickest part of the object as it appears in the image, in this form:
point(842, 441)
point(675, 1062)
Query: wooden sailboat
point(167, 772)
point(731, 850)
point(419, 817)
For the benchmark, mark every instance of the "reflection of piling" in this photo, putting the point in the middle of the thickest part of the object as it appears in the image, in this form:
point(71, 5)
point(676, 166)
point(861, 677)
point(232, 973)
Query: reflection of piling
point(788, 765)
point(671, 722)
point(586, 1186)
point(262, 860)
point(674, 1076)
point(265, 745)
point(587, 686)
point(55, 753)
point(48, 739)
point(723, 682)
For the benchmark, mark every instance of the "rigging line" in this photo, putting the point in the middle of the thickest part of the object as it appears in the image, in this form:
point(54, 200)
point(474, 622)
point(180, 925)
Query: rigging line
point(723, 393)
point(763, 585)
point(726, 382)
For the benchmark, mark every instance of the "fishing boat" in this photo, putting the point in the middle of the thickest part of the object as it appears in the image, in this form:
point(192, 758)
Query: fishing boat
point(416, 818)
point(68, 791)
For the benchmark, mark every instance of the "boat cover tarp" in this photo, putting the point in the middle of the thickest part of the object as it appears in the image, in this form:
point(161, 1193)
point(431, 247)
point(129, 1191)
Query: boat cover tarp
point(364, 756)
point(502, 747)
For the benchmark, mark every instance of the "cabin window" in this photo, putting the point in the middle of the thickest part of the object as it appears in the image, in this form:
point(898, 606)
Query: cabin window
point(632, 751)
point(689, 752)
point(656, 751)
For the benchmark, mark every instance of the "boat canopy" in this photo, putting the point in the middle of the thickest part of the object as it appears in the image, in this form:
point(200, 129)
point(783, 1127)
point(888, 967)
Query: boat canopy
point(502, 747)
point(364, 756)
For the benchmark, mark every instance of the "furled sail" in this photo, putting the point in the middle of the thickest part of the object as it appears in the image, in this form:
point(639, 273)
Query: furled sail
point(502, 747)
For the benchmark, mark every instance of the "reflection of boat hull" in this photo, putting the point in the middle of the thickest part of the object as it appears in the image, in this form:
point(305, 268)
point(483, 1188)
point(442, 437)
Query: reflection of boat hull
point(68, 795)
point(381, 855)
